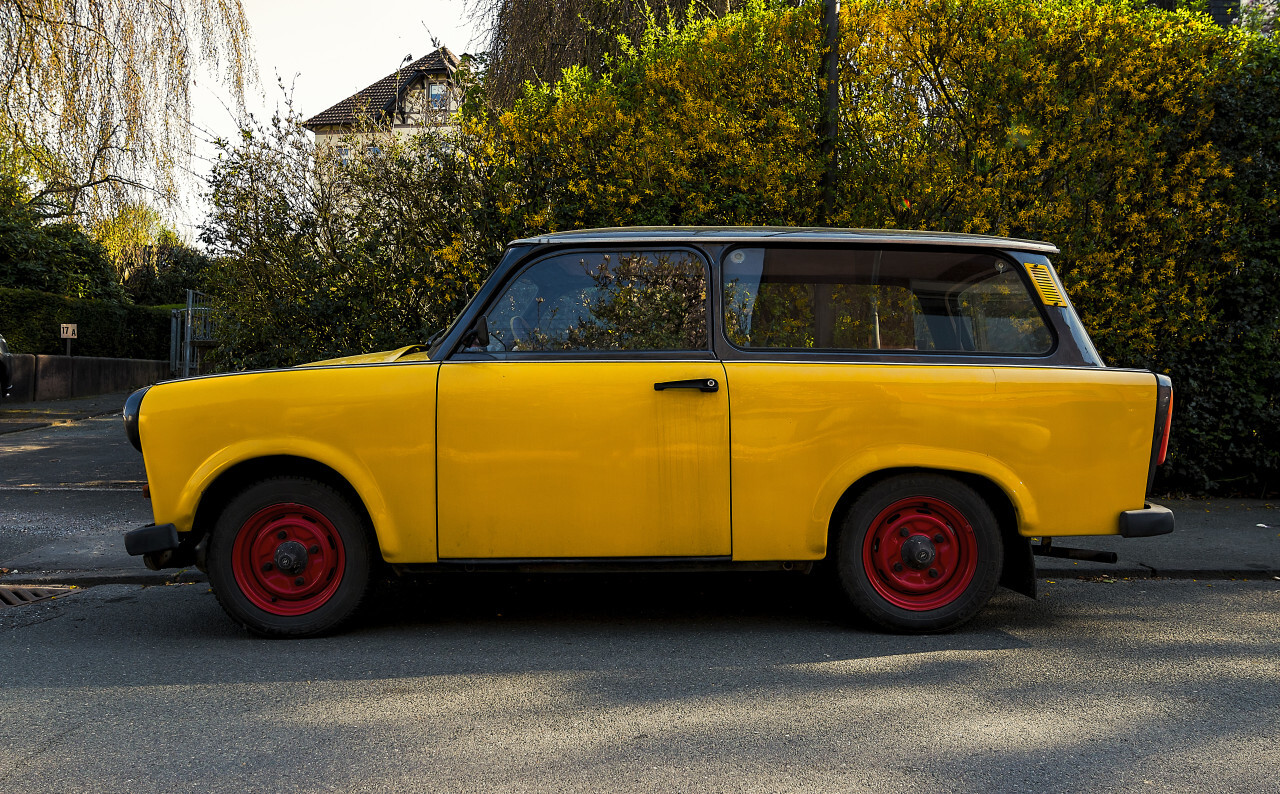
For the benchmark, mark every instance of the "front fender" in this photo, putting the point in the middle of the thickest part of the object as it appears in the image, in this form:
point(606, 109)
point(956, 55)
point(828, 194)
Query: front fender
point(346, 465)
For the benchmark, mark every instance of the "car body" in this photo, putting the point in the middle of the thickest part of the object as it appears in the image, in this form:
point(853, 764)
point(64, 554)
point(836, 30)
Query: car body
point(911, 407)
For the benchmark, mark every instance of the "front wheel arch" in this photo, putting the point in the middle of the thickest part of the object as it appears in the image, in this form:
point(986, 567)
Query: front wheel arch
point(245, 473)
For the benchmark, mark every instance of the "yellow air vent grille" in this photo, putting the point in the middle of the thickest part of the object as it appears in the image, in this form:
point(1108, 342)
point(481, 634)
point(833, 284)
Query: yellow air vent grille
point(1049, 292)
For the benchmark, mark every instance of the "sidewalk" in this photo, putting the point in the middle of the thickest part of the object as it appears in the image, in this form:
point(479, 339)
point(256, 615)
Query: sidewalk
point(31, 415)
point(1212, 539)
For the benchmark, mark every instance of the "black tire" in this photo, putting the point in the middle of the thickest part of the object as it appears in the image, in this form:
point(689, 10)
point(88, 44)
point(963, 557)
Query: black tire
point(290, 557)
point(919, 553)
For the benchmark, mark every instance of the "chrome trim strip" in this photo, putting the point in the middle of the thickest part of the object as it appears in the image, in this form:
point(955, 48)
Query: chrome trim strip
point(649, 235)
point(727, 361)
point(1028, 365)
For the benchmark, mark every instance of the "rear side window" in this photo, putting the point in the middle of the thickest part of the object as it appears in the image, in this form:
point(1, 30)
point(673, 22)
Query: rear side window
point(864, 300)
point(604, 301)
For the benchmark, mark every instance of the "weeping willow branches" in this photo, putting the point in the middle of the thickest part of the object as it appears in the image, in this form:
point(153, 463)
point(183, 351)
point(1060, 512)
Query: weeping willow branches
point(535, 40)
point(97, 93)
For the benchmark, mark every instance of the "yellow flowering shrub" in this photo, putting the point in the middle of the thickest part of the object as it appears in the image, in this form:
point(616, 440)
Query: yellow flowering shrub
point(1093, 125)
point(1079, 123)
point(712, 124)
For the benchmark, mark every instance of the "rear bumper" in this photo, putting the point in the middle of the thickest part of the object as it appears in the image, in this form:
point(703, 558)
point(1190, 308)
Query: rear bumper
point(1151, 520)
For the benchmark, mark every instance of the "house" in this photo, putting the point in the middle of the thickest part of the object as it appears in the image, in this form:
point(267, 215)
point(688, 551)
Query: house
point(418, 95)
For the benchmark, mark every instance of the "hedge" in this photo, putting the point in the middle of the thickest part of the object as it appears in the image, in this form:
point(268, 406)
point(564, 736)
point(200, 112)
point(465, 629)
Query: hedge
point(30, 322)
point(1143, 143)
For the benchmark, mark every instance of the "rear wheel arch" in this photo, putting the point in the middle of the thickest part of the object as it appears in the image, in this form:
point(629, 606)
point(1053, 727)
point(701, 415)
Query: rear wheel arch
point(1018, 573)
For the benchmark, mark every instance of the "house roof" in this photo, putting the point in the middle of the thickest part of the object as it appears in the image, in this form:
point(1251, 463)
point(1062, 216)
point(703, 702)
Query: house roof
point(377, 99)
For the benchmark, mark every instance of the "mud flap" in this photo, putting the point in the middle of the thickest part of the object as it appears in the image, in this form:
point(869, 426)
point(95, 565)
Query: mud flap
point(1019, 574)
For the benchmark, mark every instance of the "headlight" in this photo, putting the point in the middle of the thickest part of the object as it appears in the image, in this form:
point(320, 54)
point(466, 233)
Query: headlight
point(131, 408)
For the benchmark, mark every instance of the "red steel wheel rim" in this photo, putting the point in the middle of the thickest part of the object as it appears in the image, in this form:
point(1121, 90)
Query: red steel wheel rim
point(898, 543)
point(273, 535)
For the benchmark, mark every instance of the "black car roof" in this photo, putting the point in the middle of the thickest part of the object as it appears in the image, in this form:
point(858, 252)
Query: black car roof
point(796, 234)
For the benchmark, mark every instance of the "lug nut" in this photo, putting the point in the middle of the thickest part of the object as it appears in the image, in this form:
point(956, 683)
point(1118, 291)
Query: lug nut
point(938, 538)
point(897, 567)
point(313, 550)
point(299, 581)
point(267, 567)
point(282, 534)
point(904, 532)
point(933, 573)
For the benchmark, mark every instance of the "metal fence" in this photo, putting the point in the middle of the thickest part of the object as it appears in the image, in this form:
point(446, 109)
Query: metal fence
point(190, 334)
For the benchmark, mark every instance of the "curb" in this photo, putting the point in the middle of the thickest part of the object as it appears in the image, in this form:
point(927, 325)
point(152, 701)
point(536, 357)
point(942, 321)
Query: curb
point(1192, 575)
point(92, 578)
point(37, 424)
point(195, 576)
point(1151, 572)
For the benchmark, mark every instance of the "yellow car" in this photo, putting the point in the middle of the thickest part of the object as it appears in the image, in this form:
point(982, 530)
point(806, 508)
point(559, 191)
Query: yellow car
point(912, 408)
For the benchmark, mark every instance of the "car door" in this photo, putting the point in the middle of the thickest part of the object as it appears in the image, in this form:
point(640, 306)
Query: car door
point(594, 422)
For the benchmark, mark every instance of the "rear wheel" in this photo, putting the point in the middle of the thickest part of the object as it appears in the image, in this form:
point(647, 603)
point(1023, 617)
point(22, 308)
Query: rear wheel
point(289, 557)
point(919, 553)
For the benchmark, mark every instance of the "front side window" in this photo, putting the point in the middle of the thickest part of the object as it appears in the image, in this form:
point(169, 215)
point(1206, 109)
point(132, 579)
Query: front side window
point(603, 301)
point(868, 300)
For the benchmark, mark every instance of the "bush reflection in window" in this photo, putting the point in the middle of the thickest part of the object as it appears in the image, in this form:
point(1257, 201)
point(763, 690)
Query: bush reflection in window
point(650, 300)
point(879, 300)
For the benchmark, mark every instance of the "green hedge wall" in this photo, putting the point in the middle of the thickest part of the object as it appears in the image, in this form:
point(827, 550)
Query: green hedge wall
point(30, 320)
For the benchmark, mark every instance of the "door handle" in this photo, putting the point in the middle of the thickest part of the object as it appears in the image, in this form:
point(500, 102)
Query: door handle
point(701, 384)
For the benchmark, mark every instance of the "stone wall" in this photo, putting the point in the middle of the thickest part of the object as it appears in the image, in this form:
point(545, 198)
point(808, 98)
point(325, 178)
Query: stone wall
point(63, 377)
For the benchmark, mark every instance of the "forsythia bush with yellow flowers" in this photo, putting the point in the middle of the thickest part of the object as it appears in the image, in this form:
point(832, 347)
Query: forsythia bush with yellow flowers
point(1121, 133)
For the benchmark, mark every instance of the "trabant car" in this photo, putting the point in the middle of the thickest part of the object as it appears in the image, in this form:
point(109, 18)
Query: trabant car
point(908, 409)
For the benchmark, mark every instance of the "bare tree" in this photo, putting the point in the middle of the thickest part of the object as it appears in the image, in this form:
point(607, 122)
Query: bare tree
point(535, 40)
point(98, 92)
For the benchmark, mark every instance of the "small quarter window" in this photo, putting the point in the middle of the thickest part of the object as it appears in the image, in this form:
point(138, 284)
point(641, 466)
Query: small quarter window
point(867, 299)
point(603, 301)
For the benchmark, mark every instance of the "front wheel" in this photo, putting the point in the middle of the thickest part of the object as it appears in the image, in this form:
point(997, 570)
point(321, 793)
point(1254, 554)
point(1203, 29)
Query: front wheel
point(289, 557)
point(919, 553)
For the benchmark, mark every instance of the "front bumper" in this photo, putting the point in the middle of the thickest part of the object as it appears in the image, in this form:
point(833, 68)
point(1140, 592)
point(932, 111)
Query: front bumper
point(1151, 520)
point(162, 547)
point(151, 539)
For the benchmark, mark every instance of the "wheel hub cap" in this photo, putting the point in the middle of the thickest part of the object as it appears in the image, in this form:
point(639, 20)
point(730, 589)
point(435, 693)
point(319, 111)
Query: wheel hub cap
point(920, 554)
point(291, 556)
point(288, 559)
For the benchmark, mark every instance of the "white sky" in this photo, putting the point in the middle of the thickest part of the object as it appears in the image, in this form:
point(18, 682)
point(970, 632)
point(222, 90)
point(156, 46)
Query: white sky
point(327, 50)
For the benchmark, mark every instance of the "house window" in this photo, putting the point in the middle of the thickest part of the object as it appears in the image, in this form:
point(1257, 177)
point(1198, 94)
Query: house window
point(436, 96)
point(344, 154)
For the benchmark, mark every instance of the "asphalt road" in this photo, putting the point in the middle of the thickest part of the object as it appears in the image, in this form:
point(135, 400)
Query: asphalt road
point(692, 684)
point(90, 453)
point(77, 482)
point(727, 682)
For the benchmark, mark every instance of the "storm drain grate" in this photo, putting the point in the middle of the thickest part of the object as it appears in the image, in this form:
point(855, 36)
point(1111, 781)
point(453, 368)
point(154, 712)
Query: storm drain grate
point(12, 596)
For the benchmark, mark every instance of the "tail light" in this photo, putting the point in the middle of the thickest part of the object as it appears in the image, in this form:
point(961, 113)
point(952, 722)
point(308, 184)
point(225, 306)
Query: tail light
point(1164, 424)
